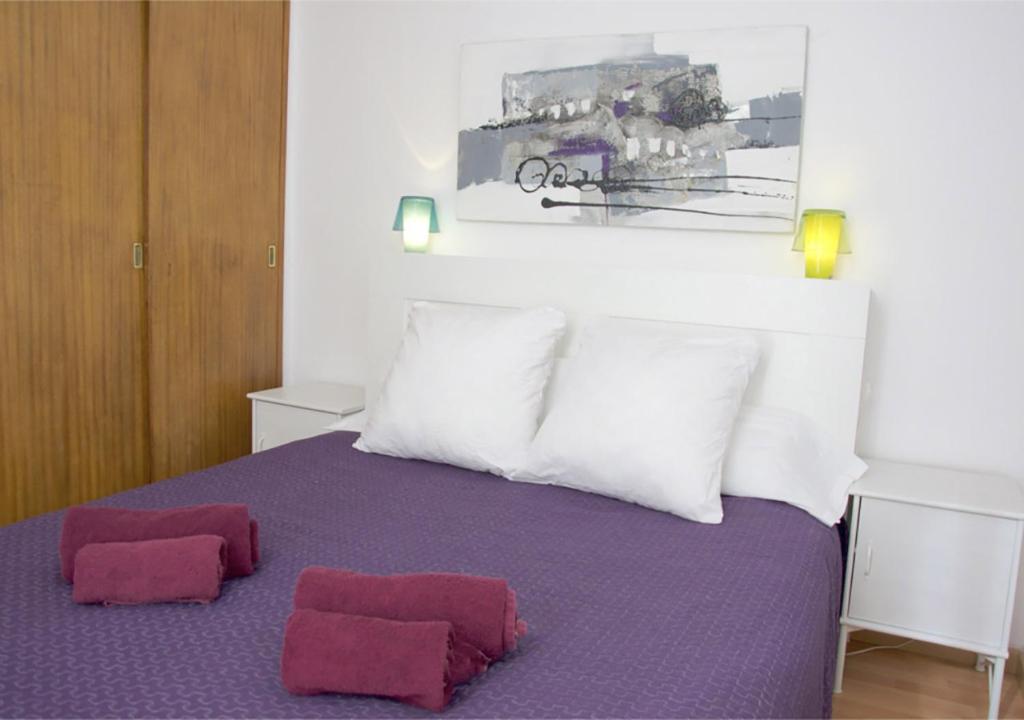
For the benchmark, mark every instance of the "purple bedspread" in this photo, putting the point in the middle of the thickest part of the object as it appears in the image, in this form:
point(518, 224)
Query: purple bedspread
point(632, 612)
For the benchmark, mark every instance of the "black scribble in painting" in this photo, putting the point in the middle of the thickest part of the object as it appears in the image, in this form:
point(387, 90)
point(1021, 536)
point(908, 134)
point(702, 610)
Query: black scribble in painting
point(548, 203)
point(536, 173)
point(692, 108)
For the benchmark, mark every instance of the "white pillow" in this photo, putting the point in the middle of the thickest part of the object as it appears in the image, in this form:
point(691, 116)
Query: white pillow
point(466, 386)
point(782, 455)
point(645, 417)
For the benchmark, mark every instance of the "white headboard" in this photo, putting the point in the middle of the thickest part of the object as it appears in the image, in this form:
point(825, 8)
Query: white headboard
point(811, 331)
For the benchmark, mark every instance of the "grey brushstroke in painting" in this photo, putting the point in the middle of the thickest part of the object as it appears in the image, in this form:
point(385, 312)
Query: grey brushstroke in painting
point(783, 126)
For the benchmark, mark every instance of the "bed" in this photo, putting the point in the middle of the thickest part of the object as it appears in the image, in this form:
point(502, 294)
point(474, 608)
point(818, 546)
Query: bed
point(631, 612)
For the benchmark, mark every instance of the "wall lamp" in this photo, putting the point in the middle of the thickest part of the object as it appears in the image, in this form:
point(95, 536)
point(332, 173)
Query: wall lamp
point(821, 237)
point(417, 220)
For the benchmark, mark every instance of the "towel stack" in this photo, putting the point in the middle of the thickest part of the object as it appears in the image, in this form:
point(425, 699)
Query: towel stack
point(412, 638)
point(129, 557)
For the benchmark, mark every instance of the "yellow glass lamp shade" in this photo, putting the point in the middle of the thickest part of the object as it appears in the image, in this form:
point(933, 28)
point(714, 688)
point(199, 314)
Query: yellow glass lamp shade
point(821, 237)
point(416, 220)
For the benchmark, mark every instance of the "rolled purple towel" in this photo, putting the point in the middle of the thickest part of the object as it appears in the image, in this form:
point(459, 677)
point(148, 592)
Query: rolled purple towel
point(481, 609)
point(337, 653)
point(86, 525)
point(186, 569)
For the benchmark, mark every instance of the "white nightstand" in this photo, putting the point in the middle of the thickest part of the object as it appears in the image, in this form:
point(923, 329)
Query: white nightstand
point(295, 412)
point(933, 556)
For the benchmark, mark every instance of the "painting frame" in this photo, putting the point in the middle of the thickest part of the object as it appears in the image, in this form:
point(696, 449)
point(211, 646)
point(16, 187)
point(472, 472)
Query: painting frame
point(694, 129)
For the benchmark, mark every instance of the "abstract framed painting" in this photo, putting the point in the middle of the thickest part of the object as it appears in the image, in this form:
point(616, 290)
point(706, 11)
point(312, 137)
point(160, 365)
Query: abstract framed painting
point(696, 129)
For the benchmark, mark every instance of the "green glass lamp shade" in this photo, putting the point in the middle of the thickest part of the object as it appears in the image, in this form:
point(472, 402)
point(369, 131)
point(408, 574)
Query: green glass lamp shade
point(416, 219)
point(822, 235)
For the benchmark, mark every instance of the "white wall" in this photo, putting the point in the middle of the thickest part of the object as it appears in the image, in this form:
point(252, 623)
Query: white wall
point(914, 124)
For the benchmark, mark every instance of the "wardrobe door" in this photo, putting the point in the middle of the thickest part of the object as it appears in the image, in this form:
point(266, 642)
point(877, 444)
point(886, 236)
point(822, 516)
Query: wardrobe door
point(72, 372)
point(217, 74)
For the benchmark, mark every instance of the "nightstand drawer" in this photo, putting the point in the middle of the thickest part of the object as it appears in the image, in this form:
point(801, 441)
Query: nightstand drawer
point(279, 424)
point(934, 571)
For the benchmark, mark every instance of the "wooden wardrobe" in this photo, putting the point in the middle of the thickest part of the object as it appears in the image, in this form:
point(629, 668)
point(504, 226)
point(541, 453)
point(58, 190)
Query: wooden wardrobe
point(141, 217)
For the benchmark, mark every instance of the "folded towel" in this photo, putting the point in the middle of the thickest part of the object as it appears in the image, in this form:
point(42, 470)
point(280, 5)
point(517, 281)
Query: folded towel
point(334, 652)
point(85, 525)
point(185, 569)
point(482, 610)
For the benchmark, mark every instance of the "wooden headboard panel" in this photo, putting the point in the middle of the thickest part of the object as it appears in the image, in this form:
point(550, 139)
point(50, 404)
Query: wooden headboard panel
point(811, 331)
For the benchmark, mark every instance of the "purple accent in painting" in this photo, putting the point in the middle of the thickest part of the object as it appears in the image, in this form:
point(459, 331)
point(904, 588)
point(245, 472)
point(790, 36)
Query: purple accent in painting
point(633, 613)
point(620, 108)
point(583, 146)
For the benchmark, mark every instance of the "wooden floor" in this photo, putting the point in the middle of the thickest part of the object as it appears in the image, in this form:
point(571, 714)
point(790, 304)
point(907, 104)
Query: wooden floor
point(904, 684)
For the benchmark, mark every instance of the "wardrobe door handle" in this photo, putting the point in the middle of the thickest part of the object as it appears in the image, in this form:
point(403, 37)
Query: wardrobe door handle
point(867, 567)
point(137, 256)
point(260, 443)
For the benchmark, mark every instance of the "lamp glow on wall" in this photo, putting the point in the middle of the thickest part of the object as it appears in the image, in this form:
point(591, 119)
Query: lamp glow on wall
point(821, 237)
point(417, 220)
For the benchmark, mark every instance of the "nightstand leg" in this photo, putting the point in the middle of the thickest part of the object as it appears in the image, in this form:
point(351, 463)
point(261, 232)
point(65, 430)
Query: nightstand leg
point(844, 635)
point(995, 687)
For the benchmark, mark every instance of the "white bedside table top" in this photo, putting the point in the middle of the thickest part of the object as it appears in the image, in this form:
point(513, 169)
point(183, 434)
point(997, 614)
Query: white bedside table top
point(938, 487)
point(325, 397)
